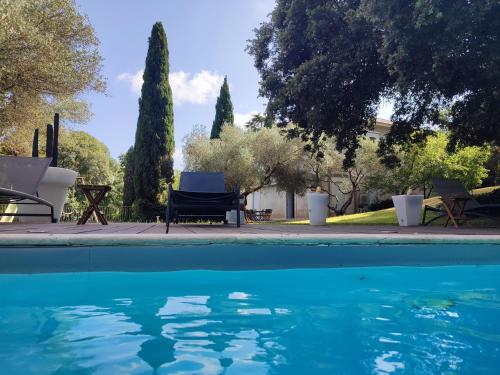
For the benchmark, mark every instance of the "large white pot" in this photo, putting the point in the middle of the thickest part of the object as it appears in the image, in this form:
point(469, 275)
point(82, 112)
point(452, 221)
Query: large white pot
point(317, 204)
point(54, 189)
point(408, 209)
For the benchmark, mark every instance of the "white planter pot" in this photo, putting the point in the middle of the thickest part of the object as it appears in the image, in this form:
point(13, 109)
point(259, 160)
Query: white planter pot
point(54, 189)
point(408, 209)
point(317, 204)
point(231, 217)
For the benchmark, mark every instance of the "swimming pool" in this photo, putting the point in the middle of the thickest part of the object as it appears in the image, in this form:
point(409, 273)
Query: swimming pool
point(282, 320)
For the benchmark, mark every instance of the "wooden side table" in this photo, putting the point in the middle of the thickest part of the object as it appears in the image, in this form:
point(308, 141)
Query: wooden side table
point(100, 192)
point(455, 208)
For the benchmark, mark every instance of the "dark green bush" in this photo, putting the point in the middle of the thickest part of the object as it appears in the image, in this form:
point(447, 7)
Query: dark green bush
point(490, 198)
point(380, 205)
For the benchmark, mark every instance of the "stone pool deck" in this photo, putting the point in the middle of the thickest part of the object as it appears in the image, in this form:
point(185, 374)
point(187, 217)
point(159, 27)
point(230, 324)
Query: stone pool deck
point(154, 234)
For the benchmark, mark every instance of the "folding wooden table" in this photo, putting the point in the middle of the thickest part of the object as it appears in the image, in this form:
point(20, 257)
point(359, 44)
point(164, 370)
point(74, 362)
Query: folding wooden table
point(455, 208)
point(94, 200)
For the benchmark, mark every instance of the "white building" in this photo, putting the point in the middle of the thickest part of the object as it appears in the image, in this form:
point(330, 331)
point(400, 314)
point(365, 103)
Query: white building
point(288, 205)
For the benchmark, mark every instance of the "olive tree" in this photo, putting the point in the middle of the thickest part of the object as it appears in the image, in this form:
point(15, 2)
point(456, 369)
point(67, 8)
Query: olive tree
point(256, 158)
point(48, 57)
point(325, 169)
point(249, 160)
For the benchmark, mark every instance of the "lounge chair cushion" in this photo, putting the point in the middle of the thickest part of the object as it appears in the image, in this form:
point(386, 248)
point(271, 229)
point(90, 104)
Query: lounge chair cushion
point(202, 182)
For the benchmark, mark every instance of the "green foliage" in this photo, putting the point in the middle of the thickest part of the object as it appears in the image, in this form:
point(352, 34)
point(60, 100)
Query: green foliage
point(223, 111)
point(325, 65)
point(154, 139)
point(259, 121)
point(492, 197)
point(320, 69)
point(127, 165)
point(493, 165)
point(89, 157)
point(441, 54)
point(381, 205)
point(177, 179)
point(420, 163)
point(342, 185)
point(249, 160)
point(254, 159)
point(49, 56)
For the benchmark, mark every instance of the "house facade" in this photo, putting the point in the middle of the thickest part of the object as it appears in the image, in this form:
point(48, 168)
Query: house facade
point(289, 205)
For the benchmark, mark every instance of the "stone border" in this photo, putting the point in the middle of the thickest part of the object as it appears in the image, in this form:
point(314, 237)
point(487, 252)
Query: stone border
point(73, 240)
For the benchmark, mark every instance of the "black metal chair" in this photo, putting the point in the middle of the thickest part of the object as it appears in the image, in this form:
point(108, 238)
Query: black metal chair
point(202, 196)
point(458, 204)
point(19, 181)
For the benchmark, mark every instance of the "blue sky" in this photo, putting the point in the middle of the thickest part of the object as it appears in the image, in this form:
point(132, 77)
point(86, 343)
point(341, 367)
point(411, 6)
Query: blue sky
point(206, 40)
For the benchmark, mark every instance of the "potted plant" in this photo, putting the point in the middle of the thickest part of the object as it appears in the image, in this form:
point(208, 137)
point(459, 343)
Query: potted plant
point(56, 181)
point(317, 204)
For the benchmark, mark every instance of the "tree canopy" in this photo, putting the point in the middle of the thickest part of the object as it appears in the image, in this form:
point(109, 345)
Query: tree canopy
point(87, 155)
point(48, 57)
point(259, 121)
point(326, 172)
point(154, 138)
point(249, 160)
point(320, 69)
point(254, 159)
point(90, 157)
point(223, 111)
point(325, 65)
point(441, 55)
point(422, 162)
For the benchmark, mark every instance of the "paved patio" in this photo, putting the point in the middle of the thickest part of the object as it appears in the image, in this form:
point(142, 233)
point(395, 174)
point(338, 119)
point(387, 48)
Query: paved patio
point(248, 230)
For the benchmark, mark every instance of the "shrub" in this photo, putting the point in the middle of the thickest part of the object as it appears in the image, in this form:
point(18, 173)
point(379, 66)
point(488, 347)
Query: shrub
point(489, 198)
point(381, 205)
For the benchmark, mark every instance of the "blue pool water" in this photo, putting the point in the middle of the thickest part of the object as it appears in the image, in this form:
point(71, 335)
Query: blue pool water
point(304, 321)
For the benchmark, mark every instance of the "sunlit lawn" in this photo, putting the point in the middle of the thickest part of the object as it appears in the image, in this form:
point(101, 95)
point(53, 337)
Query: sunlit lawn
point(388, 216)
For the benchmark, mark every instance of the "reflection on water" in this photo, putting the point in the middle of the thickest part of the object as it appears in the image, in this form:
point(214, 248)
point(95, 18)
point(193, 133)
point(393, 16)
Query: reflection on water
point(386, 363)
point(177, 339)
point(280, 322)
point(188, 305)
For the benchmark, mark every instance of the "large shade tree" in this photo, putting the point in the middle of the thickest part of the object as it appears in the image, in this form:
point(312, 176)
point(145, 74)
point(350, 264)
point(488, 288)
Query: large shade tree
point(48, 57)
point(441, 54)
point(325, 65)
point(320, 69)
point(154, 138)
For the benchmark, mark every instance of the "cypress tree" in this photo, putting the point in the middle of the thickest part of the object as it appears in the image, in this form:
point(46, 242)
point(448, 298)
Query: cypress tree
point(223, 111)
point(154, 138)
point(128, 178)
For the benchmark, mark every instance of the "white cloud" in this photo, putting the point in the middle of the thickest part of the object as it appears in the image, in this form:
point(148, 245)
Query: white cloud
point(135, 80)
point(197, 88)
point(240, 119)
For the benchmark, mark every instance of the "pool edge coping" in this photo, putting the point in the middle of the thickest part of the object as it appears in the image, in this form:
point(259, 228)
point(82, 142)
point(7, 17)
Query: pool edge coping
point(56, 240)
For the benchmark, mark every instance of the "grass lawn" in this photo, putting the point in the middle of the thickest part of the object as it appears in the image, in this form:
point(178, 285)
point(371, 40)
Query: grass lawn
point(388, 216)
